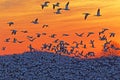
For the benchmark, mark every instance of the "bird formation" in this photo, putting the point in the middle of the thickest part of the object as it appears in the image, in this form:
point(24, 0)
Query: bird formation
point(60, 46)
point(57, 4)
point(66, 7)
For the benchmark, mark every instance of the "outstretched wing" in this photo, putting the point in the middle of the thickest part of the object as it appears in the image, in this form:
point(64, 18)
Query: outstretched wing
point(98, 12)
point(54, 6)
point(67, 4)
point(42, 6)
point(36, 19)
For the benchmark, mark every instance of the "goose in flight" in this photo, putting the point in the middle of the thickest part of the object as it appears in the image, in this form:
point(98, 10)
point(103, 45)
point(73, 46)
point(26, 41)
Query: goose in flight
point(98, 13)
point(115, 48)
point(65, 35)
point(20, 41)
point(81, 42)
point(14, 40)
point(10, 23)
point(53, 36)
point(112, 34)
point(85, 46)
point(92, 43)
point(56, 5)
point(44, 33)
point(45, 25)
point(14, 32)
point(35, 21)
point(7, 40)
point(90, 54)
point(80, 35)
point(38, 34)
point(76, 44)
point(102, 38)
point(29, 36)
point(31, 39)
point(31, 48)
point(45, 4)
point(80, 54)
point(103, 30)
point(3, 48)
point(86, 15)
point(67, 6)
point(56, 41)
point(89, 33)
point(58, 11)
point(24, 31)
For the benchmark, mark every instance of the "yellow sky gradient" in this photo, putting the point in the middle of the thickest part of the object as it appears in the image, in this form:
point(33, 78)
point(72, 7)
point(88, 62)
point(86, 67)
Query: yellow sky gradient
point(22, 12)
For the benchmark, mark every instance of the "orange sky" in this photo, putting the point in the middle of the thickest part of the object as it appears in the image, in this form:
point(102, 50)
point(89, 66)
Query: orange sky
point(23, 12)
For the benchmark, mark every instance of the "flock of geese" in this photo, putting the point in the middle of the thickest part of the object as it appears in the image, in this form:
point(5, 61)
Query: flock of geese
point(61, 46)
point(58, 10)
point(45, 4)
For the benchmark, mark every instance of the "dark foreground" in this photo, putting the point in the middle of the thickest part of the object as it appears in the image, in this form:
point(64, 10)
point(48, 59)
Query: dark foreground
point(44, 66)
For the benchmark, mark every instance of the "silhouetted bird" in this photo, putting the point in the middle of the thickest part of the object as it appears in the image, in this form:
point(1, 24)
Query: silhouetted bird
point(89, 33)
point(35, 21)
point(66, 43)
point(112, 34)
point(10, 23)
point(58, 11)
point(45, 4)
point(49, 46)
point(76, 44)
point(7, 40)
point(38, 34)
point(102, 38)
point(56, 41)
point(44, 46)
point(20, 41)
point(45, 25)
point(112, 46)
point(14, 32)
point(29, 36)
point(80, 35)
point(65, 35)
point(115, 48)
point(86, 15)
point(103, 30)
point(67, 6)
point(3, 48)
point(31, 39)
point(24, 31)
point(98, 13)
point(84, 46)
point(72, 49)
point(31, 48)
point(81, 53)
point(53, 36)
point(44, 33)
point(105, 47)
point(91, 54)
point(14, 40)
point(56, 5)
point(92, 43)
point(81, 42)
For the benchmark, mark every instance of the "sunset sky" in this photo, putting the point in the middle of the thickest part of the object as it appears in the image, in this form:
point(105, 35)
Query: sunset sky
point(22, 12)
